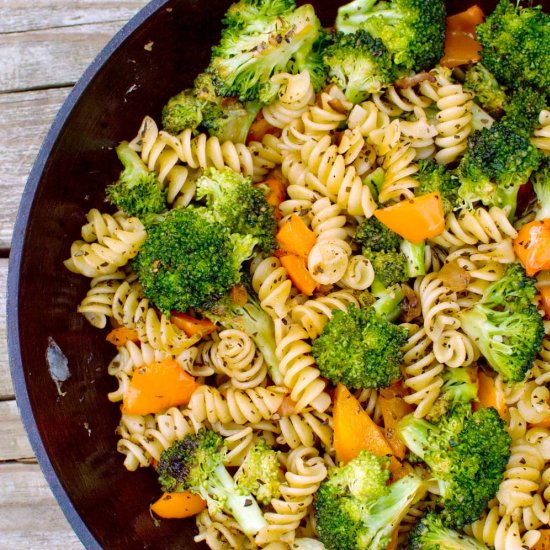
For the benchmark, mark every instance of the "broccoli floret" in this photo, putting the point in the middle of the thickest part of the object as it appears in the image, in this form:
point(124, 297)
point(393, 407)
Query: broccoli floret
point(257, 44)
point(390, 267)
point(239, 206)
point(498, 161)
point(241, 13)
point(355, 509)
point(360, 348)
point(504, 324)
point(412, 30)
point(374, 235)
point(430, 534)
point(541, 185)
point(194, 464)
point(260, 474)
point(182, 111)
point(458, 387)
point(360, 64)
point(433, 177)
point(522, 110)
point(467, 454)
point(137, 191)
point(488, 92)
point(189, 260)
point(314, 63)
point(516, 45)
point(247, 315)
point(514, 291)
point(508, 341)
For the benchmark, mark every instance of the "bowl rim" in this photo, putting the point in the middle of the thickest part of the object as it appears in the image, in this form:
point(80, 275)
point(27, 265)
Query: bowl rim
point(14, 270)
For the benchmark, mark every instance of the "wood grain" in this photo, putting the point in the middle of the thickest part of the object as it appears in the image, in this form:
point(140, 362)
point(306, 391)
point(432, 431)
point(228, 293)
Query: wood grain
point(29, 516)
point(43, 14)
point(50, 57)
point(14, 444)
point(26, 117)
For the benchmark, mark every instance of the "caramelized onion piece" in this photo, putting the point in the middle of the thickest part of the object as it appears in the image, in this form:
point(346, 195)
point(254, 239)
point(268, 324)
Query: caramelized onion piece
point(410, 306)
point(454, 276)
point(410, 81)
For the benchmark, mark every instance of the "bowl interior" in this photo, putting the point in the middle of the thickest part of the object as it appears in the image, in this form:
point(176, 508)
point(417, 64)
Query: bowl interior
point(77, 430)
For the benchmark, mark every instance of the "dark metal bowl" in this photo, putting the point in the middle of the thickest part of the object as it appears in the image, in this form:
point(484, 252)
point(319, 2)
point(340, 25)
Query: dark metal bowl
point(73, 435)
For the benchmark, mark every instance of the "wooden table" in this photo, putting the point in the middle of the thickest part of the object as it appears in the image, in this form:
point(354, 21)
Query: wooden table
point(45, 45)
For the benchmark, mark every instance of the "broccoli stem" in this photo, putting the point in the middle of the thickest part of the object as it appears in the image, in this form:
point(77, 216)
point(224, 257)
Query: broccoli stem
point(134, 168)
point(415, 254)
point(388, 302)
point(242, 507)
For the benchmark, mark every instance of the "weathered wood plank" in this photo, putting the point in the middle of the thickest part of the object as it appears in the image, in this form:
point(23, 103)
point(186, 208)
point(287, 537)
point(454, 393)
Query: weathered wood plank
point(51, 57)
point(30, 518)
point(25, 117)
point(6, 387)
point(14, 443)
point(42, 14)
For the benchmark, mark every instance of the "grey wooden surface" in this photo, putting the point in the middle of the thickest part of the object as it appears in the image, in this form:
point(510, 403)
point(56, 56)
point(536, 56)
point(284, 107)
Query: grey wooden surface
point(45, 45)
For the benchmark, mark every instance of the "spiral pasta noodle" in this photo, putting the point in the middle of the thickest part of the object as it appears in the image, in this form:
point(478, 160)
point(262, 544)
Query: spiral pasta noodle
point(541, 135)
point(331, 109)
point(117, 237)
point(454, 120)
point(227, 404)
point(305, 429)
point(271, 283)
point(314, 314)
point(399, 168)
point(295, 93)
point(300, 373)
point(305, 471)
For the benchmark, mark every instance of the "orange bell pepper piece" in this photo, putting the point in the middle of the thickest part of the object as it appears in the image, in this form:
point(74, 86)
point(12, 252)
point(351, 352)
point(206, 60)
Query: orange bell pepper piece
point(295, 237)
point(276, 194)
point(178, 505)
point(461, 47)
point(489, 395)
point(259, 128)
point(156, 387)
point(532, 246)
point(393, 409)
point(544, 541)
point(119, 336)
point(298, 273)
point(415, 219)
point(354, 430)
point(192, 326)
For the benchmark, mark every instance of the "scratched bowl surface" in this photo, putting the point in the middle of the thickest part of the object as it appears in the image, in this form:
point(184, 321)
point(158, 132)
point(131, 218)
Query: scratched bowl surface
point(71, 424)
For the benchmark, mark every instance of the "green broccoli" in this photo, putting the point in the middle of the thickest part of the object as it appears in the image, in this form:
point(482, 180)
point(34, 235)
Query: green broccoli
point(314, 63)
point(430, 534)
point(194, 464)
point(355, 509)
point(541, 185)
point(498, 161)
point(516, 45)
point(458, 387)
point(260, 474)
point(413, 31)
point(415, 256)
point(360, 348)
point(386, 302)
point(260, 39)
point(250, 317)
point(189, 260)
point(488, 92)
point(373, 235)
point(522, 110)
point(505, 326)
point(467, 454)
point(390, 267)
point(359, 64)
point(237, 205)
point(137, 191)
point(514, 291)
point(183, 111)
point(433, 177)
